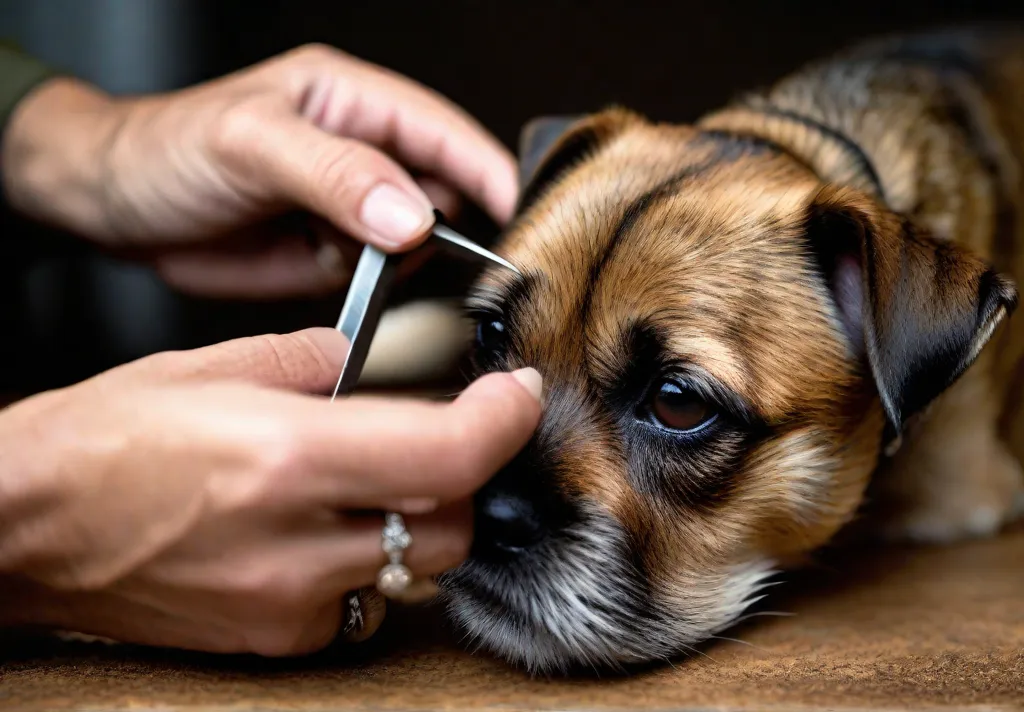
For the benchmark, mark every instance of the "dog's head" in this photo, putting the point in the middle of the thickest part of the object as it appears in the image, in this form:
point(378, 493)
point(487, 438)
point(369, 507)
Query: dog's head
point(726, 341)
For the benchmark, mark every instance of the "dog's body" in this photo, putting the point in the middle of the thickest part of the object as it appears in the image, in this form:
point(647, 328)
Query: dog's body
point(939, 119)
point(738, 322)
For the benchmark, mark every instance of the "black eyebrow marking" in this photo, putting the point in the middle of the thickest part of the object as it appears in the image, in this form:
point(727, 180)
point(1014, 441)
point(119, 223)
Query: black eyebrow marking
point(728, 148)
point(629, 218)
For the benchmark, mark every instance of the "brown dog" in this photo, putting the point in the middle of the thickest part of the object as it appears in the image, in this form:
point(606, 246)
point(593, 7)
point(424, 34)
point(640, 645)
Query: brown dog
point(742, 325)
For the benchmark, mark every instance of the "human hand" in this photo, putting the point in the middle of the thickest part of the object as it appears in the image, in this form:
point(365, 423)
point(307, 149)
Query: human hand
point(170, 502)
point(213, 185)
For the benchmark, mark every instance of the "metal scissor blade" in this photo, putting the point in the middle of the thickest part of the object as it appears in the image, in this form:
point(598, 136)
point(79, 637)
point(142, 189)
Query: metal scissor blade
point(455, 242)
point(361, 313)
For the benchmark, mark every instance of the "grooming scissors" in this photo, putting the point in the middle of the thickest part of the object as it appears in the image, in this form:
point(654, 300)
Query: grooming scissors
point(371, 284)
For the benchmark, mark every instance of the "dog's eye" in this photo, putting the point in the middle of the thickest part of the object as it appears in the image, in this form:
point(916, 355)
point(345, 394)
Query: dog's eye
point(490, 334)
point(676, 407)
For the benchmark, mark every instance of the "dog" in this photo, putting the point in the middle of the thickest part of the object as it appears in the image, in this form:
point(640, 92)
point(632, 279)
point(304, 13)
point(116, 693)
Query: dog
point(785, 321)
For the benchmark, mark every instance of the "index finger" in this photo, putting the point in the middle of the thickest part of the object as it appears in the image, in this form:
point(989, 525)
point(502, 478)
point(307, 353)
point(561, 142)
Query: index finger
point(398, 449)
point(426, 131)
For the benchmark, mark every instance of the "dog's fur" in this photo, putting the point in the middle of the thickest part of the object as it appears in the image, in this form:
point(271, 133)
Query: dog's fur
point(829, 266)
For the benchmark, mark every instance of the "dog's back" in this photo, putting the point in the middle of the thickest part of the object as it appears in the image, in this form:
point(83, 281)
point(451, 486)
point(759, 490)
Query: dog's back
point(932, 124)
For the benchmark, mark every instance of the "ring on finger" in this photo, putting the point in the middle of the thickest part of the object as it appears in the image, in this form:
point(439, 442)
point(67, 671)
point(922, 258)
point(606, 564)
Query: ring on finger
point(394, 578)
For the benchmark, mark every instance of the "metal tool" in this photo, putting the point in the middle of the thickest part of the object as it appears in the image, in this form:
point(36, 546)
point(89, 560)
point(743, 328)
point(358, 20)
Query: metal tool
point(371, 284)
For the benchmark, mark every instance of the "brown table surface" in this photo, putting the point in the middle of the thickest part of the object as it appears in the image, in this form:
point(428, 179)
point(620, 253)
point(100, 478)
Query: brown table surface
point(877, 629)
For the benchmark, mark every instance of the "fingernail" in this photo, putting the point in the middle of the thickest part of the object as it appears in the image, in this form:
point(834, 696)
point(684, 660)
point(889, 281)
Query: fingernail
point(394, 216)
point(422, 505)
point(531, 380)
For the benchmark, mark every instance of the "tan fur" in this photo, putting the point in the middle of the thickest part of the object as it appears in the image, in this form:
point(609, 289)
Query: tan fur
point(955, 476)
point(715, 260)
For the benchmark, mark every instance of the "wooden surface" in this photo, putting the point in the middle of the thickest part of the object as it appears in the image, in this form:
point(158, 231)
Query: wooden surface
point(895, 629)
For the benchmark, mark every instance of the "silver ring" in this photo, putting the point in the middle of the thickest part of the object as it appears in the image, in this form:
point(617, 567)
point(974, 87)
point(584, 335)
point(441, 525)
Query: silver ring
point(394, 578)
point(354, 615)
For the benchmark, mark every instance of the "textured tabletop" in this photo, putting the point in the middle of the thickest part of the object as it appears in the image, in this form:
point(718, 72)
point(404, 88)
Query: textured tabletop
point(931, 628)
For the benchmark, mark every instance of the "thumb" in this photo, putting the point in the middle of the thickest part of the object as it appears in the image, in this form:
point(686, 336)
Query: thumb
point(306, 361)
point(366, 194)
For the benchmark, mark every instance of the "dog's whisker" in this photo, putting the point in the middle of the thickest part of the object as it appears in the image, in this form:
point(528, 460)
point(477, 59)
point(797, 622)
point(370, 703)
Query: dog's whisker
point(690, 648)
point(763, 614)
point(738, 640)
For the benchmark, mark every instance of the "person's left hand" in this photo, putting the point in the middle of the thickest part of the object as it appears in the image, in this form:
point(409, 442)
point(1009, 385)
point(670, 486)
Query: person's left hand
point(215, 185)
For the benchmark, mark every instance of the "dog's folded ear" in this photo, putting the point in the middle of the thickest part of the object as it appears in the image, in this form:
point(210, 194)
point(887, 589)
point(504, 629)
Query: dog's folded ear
point(551, 145)
point(537, 139)
point(919, 309)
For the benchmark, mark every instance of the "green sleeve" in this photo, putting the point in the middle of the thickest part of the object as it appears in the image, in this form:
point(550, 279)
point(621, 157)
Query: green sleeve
point(19, 74)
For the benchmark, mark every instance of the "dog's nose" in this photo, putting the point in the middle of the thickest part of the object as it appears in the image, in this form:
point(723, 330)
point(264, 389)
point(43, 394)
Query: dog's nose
point(507, 522)
point(519, 509)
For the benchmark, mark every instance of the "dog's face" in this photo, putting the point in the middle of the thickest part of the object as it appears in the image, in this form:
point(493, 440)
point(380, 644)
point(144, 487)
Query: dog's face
point(724, 341)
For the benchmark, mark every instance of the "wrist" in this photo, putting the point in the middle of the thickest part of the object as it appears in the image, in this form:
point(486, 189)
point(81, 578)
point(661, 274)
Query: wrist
point(53, 153)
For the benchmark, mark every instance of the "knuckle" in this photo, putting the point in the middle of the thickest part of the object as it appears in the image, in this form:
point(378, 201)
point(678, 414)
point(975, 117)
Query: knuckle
point(315, 359)
point(271, 464)
point(236, 132)
point(267, 353)
point(347, 171)
point(295, 357)
point(278, 460)
point(277, 453)
point(318, 52)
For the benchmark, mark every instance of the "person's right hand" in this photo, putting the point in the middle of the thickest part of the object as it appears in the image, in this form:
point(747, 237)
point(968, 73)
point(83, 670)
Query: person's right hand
point(170, 502)
point(215, 185)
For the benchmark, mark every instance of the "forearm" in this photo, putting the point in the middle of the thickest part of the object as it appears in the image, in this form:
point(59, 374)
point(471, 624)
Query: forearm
point(27, 502)
point(34, 490)
point(53, 133)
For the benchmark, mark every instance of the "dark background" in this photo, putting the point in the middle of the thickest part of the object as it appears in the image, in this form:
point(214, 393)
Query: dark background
point(67, 313)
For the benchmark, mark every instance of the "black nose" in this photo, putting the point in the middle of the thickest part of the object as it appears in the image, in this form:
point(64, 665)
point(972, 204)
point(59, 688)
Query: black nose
point(507, 522)
point(520, 508)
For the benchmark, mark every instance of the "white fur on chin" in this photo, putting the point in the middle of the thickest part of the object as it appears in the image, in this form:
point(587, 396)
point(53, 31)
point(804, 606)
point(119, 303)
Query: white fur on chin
point(576, 605)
